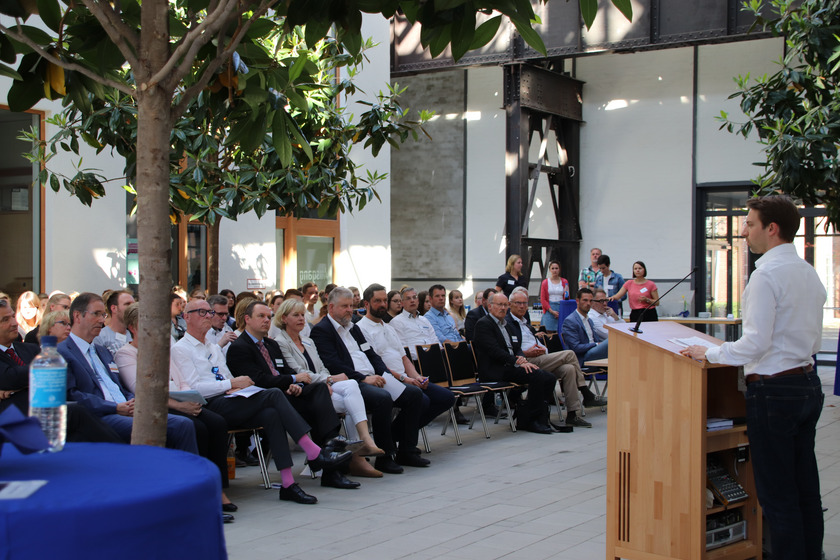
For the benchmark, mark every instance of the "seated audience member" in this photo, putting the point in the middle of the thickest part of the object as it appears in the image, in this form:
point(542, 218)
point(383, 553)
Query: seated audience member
point(475, 314)
point(424, 302)
point(386, 343)
point(239, 314)
point(56, 302)
point(275, 301)
point(394, 305)
point(553, 290)
point(601, 313)
point(210, 428)
point(590, 277)
point(611, 281)
point(181, 291)
point(197, 293)
point(28, 313)
point(457, 310)
point(564, 364)
point(310, 298)
point(344, 349)
point(296, 295)
point(220, 332)
point(231, 297)
point(412, 328)
point(500, 358)
point(440, 319)
point(93, 380)
point(512, 277)
point(259, 357)
point(302, 356)
point(176, 309)
point(579, 332)
point(358, 312)
point(204, 368)
point(115, 336)
point(55, 323)
point(15, 358)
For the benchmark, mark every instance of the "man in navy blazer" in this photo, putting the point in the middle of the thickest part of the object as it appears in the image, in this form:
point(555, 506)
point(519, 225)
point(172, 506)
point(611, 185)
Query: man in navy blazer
point(368, 369)
point(93, 380)
point(579, 332)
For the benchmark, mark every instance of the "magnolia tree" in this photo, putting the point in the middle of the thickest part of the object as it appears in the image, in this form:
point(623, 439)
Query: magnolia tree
point(164, 56)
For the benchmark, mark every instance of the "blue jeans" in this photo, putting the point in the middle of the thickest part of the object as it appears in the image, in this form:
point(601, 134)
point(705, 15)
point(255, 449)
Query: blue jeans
point(782, 416)
point(597, 352)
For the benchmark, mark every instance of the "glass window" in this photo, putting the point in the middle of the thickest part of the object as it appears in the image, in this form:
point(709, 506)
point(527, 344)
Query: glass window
point(314, 260)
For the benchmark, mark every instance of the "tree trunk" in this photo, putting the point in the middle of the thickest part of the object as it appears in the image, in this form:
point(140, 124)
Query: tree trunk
point(153, 230)
point(213, 257)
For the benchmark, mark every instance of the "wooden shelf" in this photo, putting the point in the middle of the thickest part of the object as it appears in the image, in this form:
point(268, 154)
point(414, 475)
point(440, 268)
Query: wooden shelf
point(718, 509)
point(730, 438)
point(740, 550)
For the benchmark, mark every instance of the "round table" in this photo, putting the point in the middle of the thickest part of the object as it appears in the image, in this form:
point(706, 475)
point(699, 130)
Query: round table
point(112, 501)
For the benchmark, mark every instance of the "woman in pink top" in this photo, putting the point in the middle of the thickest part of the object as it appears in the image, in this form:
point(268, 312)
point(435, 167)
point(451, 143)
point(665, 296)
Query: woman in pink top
point(641, 292)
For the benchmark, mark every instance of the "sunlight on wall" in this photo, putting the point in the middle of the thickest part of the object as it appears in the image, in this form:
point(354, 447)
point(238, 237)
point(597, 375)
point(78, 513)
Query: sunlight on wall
point(258, 259)
point(112, 263)
point(363, 265)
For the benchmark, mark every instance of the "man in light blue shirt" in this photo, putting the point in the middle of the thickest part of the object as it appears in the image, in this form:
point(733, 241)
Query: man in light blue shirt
point(439, 317)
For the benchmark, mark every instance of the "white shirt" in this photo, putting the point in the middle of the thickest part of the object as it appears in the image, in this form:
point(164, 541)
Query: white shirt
point(782, 316)
point(413, 331)
point(528, 339)
point(112, 340)
point(385, 342)
point(360, 360)
point(214, 336)
point(599, 320)
point(586, 326)
point(196, 361)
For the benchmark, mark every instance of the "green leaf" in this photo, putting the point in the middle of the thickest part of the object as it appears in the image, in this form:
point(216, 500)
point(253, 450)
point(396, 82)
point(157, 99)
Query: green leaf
point(50, 13)
point(316, 29)
point(10, 72)
point(441, 5)
point(439, 43)
point(13, 8)
point(25, 93)
point(280, 139)
point(531, 37)
point(297, 68)
point(588, 10)
point(625, 7)
point(298, 134)
point(37, 35)
point(463, 31)
point(7, 50)
point(485, 32)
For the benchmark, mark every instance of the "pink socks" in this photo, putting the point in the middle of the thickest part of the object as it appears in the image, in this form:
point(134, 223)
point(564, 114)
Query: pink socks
point(309, 447)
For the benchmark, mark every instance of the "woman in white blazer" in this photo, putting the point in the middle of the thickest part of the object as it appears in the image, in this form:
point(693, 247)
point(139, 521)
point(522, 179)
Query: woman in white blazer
point(302, 356)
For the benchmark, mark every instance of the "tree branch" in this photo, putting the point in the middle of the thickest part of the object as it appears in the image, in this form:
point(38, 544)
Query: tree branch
point(75, 67)
point(122, 35)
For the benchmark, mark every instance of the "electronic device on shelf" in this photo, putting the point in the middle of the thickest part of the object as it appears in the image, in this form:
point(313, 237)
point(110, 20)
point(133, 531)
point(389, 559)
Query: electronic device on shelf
point(725, 528)
point(725, 488)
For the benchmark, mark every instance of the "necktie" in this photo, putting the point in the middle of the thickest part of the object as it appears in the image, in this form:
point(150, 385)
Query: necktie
point(107, 383)
point(15, 358)
point(266, 357)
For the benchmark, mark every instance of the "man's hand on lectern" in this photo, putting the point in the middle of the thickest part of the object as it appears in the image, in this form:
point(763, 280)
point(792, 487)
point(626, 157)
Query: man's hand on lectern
point(696, 351)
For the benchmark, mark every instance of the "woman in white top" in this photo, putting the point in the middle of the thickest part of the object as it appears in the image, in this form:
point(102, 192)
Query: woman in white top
point(302, 356)
point(210, 428)
point(553, 290)
point(456, 308)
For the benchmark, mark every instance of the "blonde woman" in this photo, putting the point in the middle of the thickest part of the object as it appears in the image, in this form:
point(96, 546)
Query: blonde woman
point(28, 313)
point(512, 277)
point(457, 309)
point(301, 356)
point(55, 323)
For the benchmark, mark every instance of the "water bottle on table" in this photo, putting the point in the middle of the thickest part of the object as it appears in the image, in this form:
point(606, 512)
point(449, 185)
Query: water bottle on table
point(48, 392)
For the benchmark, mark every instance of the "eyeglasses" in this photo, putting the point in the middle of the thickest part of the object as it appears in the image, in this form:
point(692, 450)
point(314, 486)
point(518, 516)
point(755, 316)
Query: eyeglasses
point(65, 323)
point(222, 313)
point(202, 312)
point(502, 305)
point(519, 303)
point(97, 314)
point(599, 301)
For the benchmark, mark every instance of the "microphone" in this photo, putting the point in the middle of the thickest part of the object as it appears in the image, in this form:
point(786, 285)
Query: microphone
point(636, 328)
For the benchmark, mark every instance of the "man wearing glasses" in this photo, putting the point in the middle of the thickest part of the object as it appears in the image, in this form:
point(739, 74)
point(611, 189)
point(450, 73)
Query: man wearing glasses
point(602, 314)
point(220, 332)
point(94, 382)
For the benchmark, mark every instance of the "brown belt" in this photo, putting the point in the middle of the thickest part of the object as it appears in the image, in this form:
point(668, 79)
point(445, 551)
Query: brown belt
point(795, 371)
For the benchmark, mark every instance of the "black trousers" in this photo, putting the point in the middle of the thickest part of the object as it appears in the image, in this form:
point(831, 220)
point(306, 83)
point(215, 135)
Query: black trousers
point(270, 409)
point(315, 405)
point(212, 437)
point(404, 429)
point(540, 386)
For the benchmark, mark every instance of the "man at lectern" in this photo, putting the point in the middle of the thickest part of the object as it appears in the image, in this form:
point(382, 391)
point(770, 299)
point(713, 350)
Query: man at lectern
point(782, 328)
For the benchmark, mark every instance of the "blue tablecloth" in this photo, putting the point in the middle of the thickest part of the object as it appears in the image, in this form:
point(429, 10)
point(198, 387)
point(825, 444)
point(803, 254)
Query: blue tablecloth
point(112, 501)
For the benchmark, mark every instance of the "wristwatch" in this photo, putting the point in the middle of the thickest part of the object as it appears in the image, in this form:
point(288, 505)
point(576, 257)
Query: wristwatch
point(329, 381)
point(403, 376)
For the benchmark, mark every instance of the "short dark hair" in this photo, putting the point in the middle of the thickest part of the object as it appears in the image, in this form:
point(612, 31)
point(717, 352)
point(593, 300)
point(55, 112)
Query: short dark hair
point(583, 291)
point(307, 286)
point(603, 260)
point(640, 263)
point(370, 290)
point(275, 297)
point(114, 298)
point(292, 292)
point(82, 302)
point(778, 209)
point(217, 299)
point(172, 297)
point(489, 291)
point(436, 287)
point(249, 309)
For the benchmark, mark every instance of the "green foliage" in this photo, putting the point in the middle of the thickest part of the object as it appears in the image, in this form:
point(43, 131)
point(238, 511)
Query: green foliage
point(796, 111)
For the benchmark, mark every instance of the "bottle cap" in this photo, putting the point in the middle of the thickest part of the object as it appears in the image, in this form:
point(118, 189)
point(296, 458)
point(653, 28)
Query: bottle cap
point(49, 340)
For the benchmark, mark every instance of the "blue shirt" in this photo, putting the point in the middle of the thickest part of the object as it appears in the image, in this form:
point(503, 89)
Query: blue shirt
point(444, 325)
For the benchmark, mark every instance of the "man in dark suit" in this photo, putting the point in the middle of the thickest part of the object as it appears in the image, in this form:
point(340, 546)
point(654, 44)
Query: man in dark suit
point(579, 332)
point(260, 358)
point(500, 358)
point(344, 349)
point(475, 314)
point(93, 380)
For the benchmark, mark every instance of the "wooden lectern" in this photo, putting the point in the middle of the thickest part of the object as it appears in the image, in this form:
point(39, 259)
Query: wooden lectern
point(657, 445)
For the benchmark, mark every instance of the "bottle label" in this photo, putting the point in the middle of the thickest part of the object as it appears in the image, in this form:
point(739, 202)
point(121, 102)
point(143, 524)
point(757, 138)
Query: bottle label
point(48, 387)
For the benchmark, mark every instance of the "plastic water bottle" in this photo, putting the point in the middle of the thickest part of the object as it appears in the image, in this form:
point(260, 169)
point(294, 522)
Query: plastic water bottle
point(48, 392)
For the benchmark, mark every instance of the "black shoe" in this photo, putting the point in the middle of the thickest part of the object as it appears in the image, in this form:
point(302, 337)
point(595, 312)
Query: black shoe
point(248, 459)
point(595, 401)
point(578, 422)
point(493, 411)
point(294, 493)
point(229, 507)
point(411, 460)
point(537, 428)
point(561, 428)
point(240, 464)
point(387, 465)
point(334, 479)
point(460, 418)
point(227, 518)
point(330, 460)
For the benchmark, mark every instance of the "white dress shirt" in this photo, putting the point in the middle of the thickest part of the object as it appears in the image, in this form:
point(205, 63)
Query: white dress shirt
point(360, 360)
point(196, 361)
point(528, 338)
point(385, 342)
point(782, 311)
point(586, 326)
point(214, 336)
point(599, 320)
point(413, 330)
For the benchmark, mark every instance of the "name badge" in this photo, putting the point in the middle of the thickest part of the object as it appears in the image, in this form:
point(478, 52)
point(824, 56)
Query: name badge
point(278, 362)
point(511, 282)
point(114, 369)
point(514, 339)
point(365, 347)
point(643, 290)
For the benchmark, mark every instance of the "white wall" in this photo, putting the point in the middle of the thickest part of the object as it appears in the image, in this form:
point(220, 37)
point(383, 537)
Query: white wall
point(365, 252)
point(248, 250)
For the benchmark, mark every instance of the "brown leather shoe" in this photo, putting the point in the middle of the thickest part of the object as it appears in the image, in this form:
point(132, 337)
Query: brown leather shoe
point(360, 467)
